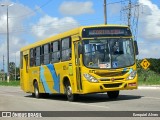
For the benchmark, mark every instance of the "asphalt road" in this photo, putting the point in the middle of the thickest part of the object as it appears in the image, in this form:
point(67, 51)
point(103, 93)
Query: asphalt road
point(14, 99)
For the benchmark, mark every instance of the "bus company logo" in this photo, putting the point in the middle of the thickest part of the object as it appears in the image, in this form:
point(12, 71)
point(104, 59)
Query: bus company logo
point(112, 79)
point(6, 114)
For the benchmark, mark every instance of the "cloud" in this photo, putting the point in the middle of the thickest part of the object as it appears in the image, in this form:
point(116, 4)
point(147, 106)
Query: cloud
point(149, 50)
point(76, 8)
point(149, 21)
point(149, 33)
point(48, 26)
point(112, 11)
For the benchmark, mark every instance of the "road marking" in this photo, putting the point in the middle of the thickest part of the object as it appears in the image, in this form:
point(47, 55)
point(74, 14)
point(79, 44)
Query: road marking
point(91, 105)
point(152, 98)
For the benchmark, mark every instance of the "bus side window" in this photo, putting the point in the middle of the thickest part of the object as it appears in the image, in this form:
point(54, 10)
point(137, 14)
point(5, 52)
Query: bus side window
point(37, 57)
point(66, 49)
point(55, 51)
point(46, 53)
point(32, 58)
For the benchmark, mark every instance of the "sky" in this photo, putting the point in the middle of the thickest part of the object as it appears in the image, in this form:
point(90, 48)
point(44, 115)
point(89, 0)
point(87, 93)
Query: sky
point(34, 20)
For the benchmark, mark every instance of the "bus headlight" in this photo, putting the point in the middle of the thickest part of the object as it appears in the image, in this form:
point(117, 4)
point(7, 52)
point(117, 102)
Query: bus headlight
point(90, 78)
point(132, 75)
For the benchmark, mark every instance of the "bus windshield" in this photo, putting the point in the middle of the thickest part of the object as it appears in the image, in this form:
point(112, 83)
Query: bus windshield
point(108, 53)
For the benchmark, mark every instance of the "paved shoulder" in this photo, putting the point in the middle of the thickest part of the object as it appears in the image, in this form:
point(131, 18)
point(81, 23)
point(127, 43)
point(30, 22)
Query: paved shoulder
point(149, 87)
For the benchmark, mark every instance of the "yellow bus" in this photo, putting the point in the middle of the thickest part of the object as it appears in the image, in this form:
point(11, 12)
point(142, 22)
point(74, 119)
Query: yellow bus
point(88, 59)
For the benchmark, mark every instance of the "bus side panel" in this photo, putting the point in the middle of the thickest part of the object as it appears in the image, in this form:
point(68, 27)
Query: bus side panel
point(61, 69)
point(34, 76)
point(59, 72)
point(49, 80)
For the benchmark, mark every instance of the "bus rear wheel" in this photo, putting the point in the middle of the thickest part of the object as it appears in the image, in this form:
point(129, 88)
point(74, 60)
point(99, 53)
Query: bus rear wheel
point(113, 94)
point(36, 90)
point(68, 90)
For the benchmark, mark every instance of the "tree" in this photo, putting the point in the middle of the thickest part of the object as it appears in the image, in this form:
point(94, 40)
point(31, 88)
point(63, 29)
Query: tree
point(12, 70)
point(154, 65)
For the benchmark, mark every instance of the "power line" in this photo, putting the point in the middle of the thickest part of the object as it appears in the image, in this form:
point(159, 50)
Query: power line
point(34, 11)
point(48, 25)
point(132, 17)
point(50, 1)
point(117, 2)
point(30, 13)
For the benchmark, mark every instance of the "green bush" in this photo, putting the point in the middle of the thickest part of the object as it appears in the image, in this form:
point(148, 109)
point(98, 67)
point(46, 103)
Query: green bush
point(148, 77)
point(11, 83)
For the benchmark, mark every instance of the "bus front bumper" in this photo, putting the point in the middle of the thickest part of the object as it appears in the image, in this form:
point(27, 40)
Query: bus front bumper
point(101, 87)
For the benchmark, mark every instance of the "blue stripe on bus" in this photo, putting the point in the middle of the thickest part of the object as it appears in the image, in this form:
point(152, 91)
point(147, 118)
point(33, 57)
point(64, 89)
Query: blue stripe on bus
point(43, 80)
point(130, 70)
point(56, 78)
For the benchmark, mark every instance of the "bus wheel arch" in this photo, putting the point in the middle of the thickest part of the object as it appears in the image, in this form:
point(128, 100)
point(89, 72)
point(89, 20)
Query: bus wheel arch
point(68, 89)
point(34, 81)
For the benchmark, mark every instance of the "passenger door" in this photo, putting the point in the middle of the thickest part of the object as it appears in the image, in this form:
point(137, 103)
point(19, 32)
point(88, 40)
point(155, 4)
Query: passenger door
point(78, 65)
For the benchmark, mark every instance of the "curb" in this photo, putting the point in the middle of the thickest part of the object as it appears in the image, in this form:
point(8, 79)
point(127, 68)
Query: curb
point(154, 87)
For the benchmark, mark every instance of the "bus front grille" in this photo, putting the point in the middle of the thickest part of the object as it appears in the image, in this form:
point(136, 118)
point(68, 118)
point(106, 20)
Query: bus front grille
point(107, 79)
point(112, 85)
point(110, 74)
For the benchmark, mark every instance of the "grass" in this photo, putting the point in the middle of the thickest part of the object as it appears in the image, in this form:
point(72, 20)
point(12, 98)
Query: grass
point(11, 83)
point(148, 77)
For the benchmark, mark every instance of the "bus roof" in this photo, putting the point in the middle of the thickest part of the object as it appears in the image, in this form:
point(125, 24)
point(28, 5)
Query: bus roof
point(65, 34)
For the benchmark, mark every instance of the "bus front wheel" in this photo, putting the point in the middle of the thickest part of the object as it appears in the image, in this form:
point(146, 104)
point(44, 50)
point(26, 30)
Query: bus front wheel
point(113, 94)
point(70, 95)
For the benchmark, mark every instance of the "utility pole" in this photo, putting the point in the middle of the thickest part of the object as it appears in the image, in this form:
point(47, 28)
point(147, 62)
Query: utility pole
point(105, 12)
point(3, 78)
point(8, 74)
point(132, 11)
point(129, 13)
point(15, 66)
point(3, 62)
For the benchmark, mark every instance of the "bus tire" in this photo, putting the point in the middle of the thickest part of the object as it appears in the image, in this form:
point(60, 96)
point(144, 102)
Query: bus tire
point(36, 90)
point(113, 94)
point(68, 90)
point(33, 95)
point(45, 95)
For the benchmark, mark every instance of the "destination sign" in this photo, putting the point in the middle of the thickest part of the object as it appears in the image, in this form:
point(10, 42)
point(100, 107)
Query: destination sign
point(105, 32)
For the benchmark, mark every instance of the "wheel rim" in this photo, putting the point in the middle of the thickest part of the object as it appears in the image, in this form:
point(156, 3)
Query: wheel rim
point(69, 91)
point(36, 92)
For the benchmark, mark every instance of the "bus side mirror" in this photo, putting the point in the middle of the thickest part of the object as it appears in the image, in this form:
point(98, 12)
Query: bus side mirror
point(136, 47)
